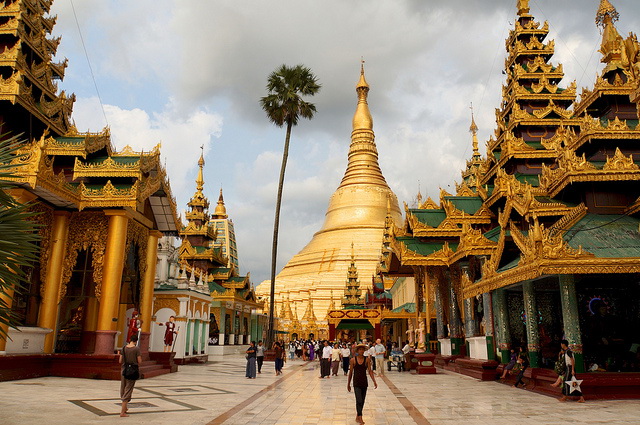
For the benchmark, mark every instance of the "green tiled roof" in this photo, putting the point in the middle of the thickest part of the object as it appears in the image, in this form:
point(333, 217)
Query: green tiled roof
point(606, 236)
point(71, 140)
point(215, 287)
point(432, 218)
point(408, 307)
point(116, 159)
point(423, 248)
point(468, 204)
point(493, 234)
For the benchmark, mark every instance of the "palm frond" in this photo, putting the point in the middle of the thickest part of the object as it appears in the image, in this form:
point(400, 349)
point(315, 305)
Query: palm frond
point(18, 236)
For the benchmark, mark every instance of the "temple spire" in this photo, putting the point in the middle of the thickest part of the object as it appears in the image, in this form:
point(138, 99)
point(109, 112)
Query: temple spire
point(474, 131)
point(523, 8)
point(200, 178)
point(362, 119)
point(363, 167)
point(221, 210)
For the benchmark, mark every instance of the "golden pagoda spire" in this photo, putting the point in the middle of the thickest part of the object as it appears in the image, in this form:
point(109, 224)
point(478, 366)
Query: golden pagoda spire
point(612, 47)
point(363, 167)
point(221, 210)
point(606, 9)
point(200, 178)
point(332, 305)
point(362, 119)
point(523, 8)
point(474, 130)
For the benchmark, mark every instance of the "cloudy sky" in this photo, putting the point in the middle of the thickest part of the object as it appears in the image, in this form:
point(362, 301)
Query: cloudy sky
point(190, 72)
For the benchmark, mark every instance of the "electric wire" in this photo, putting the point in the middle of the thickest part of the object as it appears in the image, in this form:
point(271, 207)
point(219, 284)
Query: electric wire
point(86, 54)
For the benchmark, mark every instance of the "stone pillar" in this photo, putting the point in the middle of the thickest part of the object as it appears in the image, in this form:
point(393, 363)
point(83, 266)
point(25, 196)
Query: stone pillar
point(48, 317)
point(531, 312)
point(455, 323)
point(111, 281)
point(501, 324)
point(487, 305)
point(222, 324)
point(469, 314)
point(440, 303)
point(146, 304)
point(571, 319)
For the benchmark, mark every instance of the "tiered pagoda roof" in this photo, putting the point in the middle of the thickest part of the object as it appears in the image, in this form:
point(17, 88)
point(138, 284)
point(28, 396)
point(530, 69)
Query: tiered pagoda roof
point(352, 293)
point(60, 165)
point(552, 177)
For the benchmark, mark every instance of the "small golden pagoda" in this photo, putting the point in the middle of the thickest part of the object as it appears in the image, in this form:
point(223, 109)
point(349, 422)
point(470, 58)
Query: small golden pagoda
point(352, 292)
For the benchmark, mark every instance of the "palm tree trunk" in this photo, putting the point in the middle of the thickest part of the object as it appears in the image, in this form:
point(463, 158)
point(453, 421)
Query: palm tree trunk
point(274, 247)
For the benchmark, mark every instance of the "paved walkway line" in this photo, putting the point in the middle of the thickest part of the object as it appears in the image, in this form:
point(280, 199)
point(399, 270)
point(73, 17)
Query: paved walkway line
point(229, 413)
point(409, 407)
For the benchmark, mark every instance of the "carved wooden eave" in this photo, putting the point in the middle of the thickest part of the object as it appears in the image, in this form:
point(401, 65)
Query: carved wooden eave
point(192, 229)
point(530, 28)
point(603, 88)
point(574, 169)
point(592, 129)
point(523, 200)
point(633, 208)
point(473, 242)
point(429, 204)
point(108, 196)
point(585, 265)
point(532, 48)
point(490, 266)
point(106, 168)
point(407, 257)
point(506, 184)
point(464, 190)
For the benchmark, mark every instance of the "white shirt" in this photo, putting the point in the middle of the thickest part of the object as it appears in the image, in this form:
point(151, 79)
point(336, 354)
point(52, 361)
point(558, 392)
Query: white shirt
point(372, 351)
point(346, 352)
point(366, 352)
point(326, 352)
point(406, 348)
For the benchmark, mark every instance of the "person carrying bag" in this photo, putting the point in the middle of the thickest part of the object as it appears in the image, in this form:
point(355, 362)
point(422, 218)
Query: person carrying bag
point(130, 359)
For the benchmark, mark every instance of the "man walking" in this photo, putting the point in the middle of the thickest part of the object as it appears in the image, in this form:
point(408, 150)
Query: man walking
point(260, 356)
point(379, 351)
point(325, 361)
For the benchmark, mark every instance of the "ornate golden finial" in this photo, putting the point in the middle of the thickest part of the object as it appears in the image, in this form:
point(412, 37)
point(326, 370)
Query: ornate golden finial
point(523, 7)
point(474, 130)
point(353, 257)
point(200, 179)
point(221, 210)
point(606, 9)
point(362, 119)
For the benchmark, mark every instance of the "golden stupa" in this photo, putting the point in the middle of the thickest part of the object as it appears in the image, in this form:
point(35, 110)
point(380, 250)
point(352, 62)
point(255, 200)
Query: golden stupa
point(356, 214)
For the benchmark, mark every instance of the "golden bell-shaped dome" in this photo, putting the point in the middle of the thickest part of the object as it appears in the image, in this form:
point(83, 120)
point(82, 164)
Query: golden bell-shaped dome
point(221, 210)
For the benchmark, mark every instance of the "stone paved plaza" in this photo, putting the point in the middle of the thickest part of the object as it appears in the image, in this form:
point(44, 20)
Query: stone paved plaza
point(218, 393)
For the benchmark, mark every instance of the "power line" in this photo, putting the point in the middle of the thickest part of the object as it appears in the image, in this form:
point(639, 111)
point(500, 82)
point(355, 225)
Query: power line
point(86, 55)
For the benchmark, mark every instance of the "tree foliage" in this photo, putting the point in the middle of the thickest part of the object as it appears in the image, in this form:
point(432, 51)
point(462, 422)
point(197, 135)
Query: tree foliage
point(18, 236)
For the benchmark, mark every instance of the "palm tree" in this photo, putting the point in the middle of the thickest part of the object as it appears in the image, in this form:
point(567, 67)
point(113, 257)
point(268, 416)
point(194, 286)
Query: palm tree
point(284, 106)
point(18, 238)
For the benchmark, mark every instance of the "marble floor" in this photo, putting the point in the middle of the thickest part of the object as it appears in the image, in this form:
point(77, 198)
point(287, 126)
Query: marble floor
point(218, 393)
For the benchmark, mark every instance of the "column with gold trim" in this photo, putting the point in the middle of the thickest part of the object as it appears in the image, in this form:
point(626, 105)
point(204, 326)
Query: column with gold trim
point(48, 317)
point(112, 281)
point(146, 305)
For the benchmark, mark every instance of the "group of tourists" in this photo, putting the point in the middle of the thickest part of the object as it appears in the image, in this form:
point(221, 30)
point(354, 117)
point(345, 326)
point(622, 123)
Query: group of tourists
point(358, 361)
point(564, 368)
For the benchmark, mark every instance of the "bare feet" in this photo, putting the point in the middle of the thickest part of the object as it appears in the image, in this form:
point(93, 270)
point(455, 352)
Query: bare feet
point(581, 399)
point(562, 399)
point(555, 385)
point(124, 415)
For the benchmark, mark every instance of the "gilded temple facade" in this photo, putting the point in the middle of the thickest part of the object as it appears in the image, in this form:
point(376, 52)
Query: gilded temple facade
point(100, 214)
point(540, 242)
point(356, 214)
